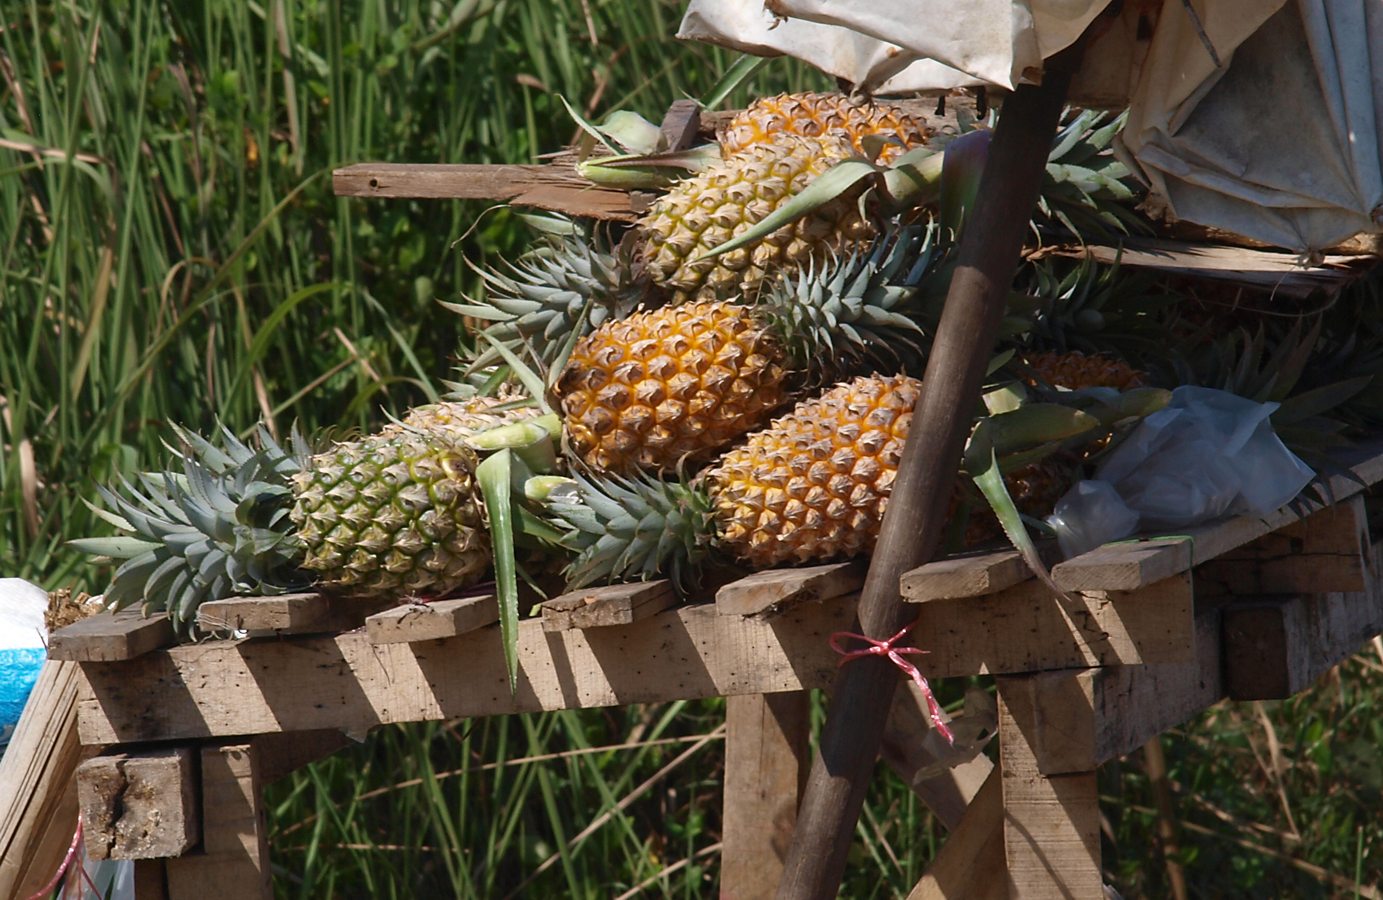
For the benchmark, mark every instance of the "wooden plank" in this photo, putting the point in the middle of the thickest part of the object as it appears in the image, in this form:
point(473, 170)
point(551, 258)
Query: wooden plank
point(602, 607)
point(234, 859)
point(1276, 647)
point(554, 186)
point(1051, 824)
point(941, 775)
point(768, 592)
point(348, 683)
point(1327, 551)
point(968, 575)
point(432, 621)
point(767, 754)
point(1027, 628)
point(139, 805)
point(680, 125)
point(970, 864)
point(1125, 566)
point(285, 614)
point(282, 753)
point(1078, 719)
point(38, 795)
point(150, 879)
point(110, 637)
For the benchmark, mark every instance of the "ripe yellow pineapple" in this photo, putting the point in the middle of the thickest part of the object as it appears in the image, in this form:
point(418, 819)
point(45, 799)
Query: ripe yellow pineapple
point(813, 114)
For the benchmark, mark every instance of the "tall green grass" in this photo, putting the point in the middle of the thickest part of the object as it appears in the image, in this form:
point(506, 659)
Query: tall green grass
point(171, 251)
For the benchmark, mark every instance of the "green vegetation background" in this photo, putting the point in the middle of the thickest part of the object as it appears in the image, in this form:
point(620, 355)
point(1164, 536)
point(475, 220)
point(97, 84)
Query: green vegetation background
point(171, 251)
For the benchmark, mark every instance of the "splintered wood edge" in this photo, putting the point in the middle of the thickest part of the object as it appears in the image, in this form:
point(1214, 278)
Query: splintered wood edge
point(111, 637)
point(973, 575)
point(433, 621)
point(599, 607)
point(772, 591)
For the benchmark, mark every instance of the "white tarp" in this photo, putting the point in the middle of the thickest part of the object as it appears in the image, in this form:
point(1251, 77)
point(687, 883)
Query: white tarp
point(1279, 142)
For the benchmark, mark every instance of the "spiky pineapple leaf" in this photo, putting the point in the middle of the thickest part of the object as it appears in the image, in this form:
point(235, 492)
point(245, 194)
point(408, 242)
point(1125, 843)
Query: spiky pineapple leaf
point(493, 475)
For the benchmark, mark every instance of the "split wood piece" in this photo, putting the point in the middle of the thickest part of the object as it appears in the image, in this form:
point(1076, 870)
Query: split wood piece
point(139, 805)
point(233, 862)
point(1130, 565)
point(432, 621)
point(285, 614)
point(1277, 647)
point(944, 777)
point(38, 795)
point(283, 753)
point(770, 592)
point(1328, 551)
point(554, 186)
point(1051, 824)
point(1027, 628)
point(681, 124)
point(767, 754)
point(970, 864)
point(1076, 720)
point(345, 682)
point(110, 637)
point(602, 607)
point(968, 575)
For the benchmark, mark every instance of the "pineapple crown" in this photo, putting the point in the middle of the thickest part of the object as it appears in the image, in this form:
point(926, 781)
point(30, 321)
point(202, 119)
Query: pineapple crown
point(632, 528)
point(859, 308)
point(570, 282)
point(216, 529)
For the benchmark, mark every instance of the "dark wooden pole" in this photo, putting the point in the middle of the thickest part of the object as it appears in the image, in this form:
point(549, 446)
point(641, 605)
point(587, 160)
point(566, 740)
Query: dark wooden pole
point(912, 528)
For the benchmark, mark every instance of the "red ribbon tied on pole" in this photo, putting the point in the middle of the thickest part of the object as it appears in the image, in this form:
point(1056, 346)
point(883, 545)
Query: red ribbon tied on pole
point(890, 650)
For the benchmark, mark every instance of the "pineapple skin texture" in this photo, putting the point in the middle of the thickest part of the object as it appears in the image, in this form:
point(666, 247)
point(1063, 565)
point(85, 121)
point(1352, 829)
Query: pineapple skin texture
point(706, 210)
point(391, 515)
point(813, 114)
point(814, 485)
point(669, 386)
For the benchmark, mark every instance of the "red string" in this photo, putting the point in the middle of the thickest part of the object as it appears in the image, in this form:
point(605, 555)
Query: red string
point(890, 650)
point(47, 890)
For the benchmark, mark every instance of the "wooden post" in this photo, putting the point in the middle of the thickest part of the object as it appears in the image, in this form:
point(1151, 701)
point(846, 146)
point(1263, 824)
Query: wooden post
point(234, 860)
point(916, 515)
point(766, 758)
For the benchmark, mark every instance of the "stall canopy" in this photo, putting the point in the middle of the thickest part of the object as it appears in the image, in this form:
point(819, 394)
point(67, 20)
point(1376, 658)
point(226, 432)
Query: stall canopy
point(1259, 117)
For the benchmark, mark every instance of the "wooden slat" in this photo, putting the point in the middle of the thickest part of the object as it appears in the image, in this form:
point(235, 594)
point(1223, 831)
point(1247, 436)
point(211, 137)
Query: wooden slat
point(767, 754)
point(233, 863)
point(348, 683)
point(1328, 551)
point(602, 607)
point(285, 614)
point(1051, 824)
point(764, 593)
point(938, 774)
point(970, 864)
point(282, 753)
point(1125, 566)
point(1277, 647)
point(552, 186)
point(111, 637)
point(1079, 719)
point(681, 124)
point(140, 805)
point(1029, 629)
point(432, 621)
point(971, 575)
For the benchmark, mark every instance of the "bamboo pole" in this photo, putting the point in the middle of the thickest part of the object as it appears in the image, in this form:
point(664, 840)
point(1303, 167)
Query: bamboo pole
point(912, 527)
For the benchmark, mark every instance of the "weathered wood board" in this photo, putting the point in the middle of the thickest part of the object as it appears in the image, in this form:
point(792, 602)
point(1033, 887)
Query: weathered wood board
point(110, 637)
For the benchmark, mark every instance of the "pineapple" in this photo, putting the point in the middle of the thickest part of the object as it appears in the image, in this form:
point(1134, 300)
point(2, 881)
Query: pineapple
point(682, 382)
point(1075, 371)
point(727, 198)
point(810, 114)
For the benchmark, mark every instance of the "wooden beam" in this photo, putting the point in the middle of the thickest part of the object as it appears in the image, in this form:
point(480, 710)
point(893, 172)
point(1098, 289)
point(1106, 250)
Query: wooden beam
point(110, 637)
point(140, 805)
point(766, 593)
point(346, 682)
point(767, 754)
point(553, 186)
point(603, 607)
point(940, 775)
point(433, 621)
point(283, 753)
point(233, 862)
point(970, 864)
point(1078, 719)
point(968, 575)
point(285, 614)
point(1328, 551)
point(1276, 647)
point(1051, 824)
point(1027, 628)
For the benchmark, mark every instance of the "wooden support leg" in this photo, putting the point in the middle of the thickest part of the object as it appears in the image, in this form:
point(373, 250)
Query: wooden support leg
point(1051, 823)
point(766, 760)
point(234, 859)
point(970, 865)
point(150, 879)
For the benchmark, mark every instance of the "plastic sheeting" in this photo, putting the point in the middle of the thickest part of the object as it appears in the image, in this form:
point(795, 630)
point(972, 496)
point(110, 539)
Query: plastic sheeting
point(1258, 117)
